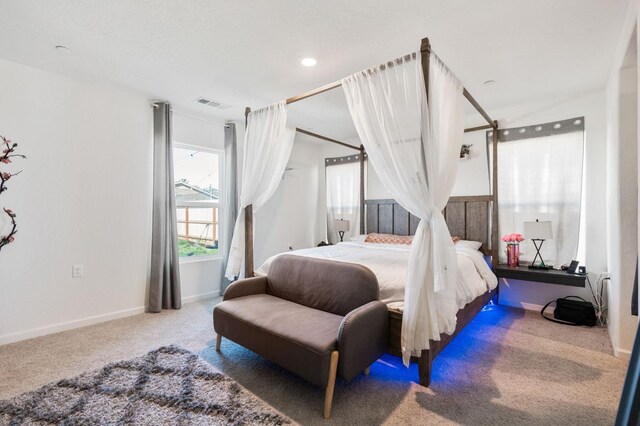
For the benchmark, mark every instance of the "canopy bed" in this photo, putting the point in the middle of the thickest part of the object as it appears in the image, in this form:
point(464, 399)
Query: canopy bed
point(408, 115)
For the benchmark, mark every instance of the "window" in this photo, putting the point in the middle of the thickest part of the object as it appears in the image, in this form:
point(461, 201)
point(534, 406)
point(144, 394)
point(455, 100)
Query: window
point(343, 194)
point(540, 177)
point(197, 179)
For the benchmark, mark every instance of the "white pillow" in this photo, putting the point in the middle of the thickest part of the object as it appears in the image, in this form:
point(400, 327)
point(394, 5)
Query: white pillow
point(472, 245)
point(359, 238)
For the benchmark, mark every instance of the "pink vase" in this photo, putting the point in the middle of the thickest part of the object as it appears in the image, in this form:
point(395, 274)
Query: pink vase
point(513, 254)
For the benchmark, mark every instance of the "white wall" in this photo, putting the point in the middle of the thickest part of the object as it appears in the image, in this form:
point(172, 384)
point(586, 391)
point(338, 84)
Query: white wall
point(473, 172)
point(622, 185)
point(83, 197)
point(294, 216)
point(623, 210)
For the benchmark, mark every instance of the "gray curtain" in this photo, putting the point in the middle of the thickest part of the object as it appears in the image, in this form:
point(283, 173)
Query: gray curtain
point(164, 289)
point(230, 209)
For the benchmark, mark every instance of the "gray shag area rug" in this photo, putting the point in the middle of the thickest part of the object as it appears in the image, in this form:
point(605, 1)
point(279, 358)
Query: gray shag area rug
point(169, 385)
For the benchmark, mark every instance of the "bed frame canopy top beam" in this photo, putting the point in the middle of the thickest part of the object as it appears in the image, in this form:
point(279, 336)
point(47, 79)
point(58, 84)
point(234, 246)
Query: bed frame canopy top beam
point(325, 138)
point(425, 49)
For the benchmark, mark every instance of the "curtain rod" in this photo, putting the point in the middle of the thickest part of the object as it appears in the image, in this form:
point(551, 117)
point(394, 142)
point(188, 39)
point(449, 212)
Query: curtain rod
point(315, 135)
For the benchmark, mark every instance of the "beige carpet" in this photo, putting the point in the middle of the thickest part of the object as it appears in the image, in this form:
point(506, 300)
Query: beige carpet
point(507, 367)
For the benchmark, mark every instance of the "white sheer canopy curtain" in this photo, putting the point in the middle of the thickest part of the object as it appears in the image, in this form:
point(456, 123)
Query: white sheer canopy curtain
point(267, 147)
point(343, 196)
point(414, 148)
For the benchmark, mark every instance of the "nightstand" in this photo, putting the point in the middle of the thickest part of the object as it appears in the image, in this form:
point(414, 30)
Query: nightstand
point(551, 276)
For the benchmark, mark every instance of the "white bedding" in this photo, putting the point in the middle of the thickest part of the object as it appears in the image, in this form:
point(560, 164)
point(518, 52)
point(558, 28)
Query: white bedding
point(389, 263)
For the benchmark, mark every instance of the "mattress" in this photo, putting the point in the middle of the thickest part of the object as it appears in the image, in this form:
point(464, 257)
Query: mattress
point(389, 263)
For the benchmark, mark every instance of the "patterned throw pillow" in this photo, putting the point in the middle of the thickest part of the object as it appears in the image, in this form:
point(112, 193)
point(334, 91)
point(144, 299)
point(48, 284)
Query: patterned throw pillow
point(389, 239)
point(396, 239)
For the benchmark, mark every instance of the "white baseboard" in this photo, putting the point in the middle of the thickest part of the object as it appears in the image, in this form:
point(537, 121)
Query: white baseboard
point(527, 306)
point(202, 296)
point(95, 319)
point(622, 353)
point(618, 352)
point(69, 325)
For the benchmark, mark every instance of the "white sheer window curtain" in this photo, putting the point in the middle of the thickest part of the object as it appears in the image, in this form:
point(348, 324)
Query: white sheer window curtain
point(540, 177)
point(415, 150)
point(343, 195)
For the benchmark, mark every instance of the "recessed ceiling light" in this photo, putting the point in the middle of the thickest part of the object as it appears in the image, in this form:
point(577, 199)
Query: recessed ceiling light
point(308, 62)
point(489, 82)
point(63, 49)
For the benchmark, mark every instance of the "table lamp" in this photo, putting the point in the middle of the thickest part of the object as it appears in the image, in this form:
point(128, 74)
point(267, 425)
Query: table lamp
point(342, 226)
point(538, 232)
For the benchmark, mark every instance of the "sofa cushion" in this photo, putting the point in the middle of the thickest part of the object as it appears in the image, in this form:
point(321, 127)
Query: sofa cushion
point(336, 287)
point(293, 336)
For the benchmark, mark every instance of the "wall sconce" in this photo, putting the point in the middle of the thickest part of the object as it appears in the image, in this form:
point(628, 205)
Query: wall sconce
point(465, 151)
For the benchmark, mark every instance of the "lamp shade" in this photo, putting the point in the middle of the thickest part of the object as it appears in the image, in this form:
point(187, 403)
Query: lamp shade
point(342, 225)
point(538, 230)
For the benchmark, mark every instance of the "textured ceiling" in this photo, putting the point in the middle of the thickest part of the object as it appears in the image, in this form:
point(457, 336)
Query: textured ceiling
point(246, 52)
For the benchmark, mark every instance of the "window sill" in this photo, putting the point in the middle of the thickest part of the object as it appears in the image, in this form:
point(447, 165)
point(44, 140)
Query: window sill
point(197, 259)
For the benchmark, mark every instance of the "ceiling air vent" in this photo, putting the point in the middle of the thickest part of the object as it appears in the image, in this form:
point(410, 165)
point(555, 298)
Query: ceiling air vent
point(209, 102)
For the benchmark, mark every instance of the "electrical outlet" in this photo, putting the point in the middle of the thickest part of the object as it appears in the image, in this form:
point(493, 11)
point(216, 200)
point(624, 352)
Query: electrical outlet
point(77, 271)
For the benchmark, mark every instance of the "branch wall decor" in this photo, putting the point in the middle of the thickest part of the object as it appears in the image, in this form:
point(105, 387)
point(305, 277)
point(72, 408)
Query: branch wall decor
point(8, 155)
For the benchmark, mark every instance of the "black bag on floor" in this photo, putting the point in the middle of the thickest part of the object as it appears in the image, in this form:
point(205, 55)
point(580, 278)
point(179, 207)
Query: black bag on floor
point(572, 312)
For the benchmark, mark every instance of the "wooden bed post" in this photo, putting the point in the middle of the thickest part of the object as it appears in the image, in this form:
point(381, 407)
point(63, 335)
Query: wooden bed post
point(248, 241)
point(362, 214)
point(248, 222)
point(425, 360)
point(495, 237)
point(425, 51)
point(495, 242)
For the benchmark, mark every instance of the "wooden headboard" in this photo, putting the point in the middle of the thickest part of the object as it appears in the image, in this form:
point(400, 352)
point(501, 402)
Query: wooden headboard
point(467, 217)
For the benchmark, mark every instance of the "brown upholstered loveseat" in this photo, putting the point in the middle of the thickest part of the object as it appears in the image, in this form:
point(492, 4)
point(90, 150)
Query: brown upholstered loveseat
point(314, 317)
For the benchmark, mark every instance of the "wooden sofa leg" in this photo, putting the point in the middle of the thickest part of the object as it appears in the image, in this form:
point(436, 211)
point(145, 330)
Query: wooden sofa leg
point(367, 371)
point(328, 396)
point(218, 342)
point(424, 368)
